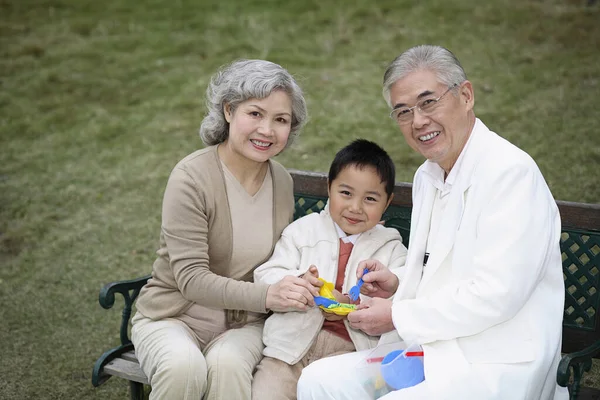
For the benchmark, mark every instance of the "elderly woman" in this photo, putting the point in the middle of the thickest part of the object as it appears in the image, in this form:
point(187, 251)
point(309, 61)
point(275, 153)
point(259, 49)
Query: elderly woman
point(199, 321)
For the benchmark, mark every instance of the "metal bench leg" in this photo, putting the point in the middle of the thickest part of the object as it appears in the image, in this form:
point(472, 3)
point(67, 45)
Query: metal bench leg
point(137, 390)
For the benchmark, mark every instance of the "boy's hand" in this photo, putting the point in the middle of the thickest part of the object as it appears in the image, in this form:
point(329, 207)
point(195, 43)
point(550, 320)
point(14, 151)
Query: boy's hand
point(333, 317)
point(312, 277)
point(341, 298)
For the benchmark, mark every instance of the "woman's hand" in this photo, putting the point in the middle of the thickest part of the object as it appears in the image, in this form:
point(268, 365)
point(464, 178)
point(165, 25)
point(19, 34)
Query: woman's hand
point(379, 281)
point(291, 294)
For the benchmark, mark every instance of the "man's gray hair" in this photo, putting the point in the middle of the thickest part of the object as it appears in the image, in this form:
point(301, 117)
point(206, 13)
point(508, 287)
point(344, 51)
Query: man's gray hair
point(246, 79)
point(437, 59)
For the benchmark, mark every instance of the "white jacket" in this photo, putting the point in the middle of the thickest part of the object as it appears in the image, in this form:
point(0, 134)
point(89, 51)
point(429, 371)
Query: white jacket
point(313, 239)
point(493, 331)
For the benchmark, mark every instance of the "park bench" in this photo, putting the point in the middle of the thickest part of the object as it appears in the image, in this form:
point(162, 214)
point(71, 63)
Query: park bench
point(580, 245)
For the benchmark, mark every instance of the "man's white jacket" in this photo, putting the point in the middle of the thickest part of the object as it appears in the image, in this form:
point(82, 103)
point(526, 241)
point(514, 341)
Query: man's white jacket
point(313, 240)
point(493, 330)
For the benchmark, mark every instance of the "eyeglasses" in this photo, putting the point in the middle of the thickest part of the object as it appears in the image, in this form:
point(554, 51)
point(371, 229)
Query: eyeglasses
point(426, 107)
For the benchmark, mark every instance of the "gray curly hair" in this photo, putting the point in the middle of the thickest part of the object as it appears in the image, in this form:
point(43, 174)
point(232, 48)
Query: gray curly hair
point(434, 58)
point(246, 79)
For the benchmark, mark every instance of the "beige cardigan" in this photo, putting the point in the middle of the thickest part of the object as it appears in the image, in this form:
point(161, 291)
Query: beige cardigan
point(196, 241)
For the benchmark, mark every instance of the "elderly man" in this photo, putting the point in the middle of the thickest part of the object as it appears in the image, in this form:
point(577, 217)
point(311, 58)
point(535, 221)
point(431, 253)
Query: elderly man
point(483, 290)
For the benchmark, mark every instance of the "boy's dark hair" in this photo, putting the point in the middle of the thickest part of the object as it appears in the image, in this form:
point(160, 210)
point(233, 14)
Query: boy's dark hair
point(362, 153)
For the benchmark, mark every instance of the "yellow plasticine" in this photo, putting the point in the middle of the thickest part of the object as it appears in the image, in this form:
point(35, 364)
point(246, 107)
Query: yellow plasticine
point(339, 309)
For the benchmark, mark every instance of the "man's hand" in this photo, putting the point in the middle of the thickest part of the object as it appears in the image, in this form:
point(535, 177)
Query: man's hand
point(373, 316)
point(291, 294)
point(379, 281)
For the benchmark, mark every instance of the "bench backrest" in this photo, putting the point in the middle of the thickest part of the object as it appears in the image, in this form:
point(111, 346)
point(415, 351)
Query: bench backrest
point(580, 246)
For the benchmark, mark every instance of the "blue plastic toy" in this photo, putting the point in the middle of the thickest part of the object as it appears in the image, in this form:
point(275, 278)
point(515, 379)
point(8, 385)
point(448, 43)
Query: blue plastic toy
point(401, 370)
point(355, 290)
point(327, 302)
point(324, 301)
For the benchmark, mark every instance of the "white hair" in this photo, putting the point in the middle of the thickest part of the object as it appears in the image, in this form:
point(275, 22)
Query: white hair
point(437, 59)
point(246, 79)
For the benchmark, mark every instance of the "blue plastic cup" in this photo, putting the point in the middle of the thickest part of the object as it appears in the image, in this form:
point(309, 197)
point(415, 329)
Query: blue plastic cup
point(400, 372)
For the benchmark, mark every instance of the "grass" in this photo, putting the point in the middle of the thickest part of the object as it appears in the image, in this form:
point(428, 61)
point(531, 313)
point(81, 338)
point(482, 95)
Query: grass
point(100, 99)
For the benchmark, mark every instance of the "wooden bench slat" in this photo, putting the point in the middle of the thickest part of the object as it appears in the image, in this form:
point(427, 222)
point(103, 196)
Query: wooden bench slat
point(130, 356)
point(126, 369)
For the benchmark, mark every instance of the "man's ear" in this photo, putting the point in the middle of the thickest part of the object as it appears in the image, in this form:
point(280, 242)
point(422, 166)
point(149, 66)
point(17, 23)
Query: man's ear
point(227, 112)
point(467, 95)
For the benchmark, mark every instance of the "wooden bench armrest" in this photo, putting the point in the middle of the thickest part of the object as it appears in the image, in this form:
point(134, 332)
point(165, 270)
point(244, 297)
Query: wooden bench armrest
point(129, 289)
point(579, 362)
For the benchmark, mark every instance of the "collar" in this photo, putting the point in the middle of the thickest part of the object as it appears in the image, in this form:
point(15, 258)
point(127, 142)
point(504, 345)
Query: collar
point(345, 238)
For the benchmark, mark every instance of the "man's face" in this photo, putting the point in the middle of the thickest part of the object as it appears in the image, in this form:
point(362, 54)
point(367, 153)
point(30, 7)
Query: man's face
point(441, 135)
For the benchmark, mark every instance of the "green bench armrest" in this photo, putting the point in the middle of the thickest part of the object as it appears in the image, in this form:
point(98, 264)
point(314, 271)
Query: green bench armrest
point(130, 290)
point(579, 362)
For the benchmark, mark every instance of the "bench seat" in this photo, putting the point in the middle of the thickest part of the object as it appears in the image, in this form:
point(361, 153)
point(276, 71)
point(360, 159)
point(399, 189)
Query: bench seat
point(127, 366)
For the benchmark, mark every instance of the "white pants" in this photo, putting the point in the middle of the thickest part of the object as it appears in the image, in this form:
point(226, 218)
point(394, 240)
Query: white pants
point(337, 378)
point(179, 366)
point(342, 378)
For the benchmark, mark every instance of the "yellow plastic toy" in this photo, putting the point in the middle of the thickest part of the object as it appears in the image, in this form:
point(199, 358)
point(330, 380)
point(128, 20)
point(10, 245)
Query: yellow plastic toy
point(328, 303)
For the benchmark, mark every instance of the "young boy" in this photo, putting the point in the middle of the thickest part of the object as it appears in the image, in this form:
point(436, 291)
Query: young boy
point(329, 244)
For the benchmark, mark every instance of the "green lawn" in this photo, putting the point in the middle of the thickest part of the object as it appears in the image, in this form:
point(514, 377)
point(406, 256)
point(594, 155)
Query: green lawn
point(99, 100)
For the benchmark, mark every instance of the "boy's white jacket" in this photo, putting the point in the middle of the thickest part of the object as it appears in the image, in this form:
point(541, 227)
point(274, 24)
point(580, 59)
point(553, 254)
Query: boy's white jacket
point(313, 240)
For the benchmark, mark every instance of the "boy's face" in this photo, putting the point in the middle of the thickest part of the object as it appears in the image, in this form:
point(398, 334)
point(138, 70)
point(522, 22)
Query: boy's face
point(357, 199)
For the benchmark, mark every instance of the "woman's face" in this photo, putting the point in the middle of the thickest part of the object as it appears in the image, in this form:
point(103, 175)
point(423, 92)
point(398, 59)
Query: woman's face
point(259, 128)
